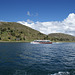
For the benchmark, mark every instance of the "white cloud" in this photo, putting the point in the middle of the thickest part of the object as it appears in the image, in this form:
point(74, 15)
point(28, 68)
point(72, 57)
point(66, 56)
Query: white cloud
point(28, 13)
point(29, 21)
point(66, 26)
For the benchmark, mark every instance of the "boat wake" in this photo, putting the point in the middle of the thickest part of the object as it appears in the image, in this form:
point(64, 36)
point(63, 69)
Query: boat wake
point(60, 73)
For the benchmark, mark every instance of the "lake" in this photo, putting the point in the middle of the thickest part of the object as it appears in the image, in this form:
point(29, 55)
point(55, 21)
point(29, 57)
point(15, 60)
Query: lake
point(37, 59)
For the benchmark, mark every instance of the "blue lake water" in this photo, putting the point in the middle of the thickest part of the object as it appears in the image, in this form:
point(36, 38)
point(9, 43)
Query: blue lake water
point(37, 59)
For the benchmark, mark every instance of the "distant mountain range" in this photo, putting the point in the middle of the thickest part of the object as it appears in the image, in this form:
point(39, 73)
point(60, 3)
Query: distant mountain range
point(12, 32)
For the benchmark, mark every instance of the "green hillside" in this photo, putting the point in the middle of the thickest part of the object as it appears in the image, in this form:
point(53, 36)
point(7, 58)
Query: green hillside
point(61, 37)
point(12, 31)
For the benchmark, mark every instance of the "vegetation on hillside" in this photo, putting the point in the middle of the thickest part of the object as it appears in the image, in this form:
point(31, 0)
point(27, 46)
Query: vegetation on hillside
point(61, 37)
point(12, 31)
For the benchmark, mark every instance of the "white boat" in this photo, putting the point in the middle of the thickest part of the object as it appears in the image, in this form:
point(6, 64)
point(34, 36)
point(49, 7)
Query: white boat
point(41, 42)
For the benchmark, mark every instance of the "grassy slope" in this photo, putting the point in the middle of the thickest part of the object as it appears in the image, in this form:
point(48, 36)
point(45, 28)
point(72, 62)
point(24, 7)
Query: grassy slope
point(61, 37)
point(12, 31)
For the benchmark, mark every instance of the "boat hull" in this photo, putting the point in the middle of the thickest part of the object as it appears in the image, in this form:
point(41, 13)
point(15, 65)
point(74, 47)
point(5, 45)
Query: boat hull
point(45, 42)
point(41, 42)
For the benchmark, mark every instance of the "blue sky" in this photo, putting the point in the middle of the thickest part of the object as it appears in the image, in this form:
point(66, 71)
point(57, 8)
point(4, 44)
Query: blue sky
point(46, 16)
point(39, 10)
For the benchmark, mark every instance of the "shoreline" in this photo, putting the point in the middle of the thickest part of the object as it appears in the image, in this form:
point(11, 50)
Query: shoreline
point(15, 41)
point(30, 41)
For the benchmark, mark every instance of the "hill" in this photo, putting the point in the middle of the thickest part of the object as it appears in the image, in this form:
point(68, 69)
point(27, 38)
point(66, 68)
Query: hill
point(61, 37)
point(12, 31)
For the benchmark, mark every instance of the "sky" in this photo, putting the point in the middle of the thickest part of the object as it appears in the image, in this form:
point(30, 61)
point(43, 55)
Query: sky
point(46, 16)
